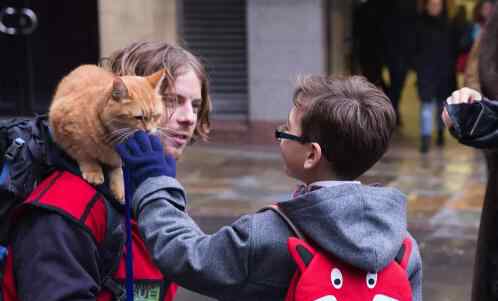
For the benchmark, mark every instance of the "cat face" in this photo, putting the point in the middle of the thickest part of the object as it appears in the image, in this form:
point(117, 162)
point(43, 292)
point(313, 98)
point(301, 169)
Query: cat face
point(133, 104)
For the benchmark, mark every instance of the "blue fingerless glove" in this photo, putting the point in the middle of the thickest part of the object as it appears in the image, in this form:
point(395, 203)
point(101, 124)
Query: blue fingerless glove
point(143, 157)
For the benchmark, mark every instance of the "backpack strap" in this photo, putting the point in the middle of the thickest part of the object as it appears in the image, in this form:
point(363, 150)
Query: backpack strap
point(275, 208)
point(85, 206)
point(112, 250)
point(404, 253)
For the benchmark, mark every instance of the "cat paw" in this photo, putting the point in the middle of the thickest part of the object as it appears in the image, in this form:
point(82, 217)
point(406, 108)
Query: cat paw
point(95, 178)
point(117, 188)
point(119, 195)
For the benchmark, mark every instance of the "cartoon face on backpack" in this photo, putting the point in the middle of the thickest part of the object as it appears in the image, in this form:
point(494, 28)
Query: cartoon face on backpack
point(322, 277)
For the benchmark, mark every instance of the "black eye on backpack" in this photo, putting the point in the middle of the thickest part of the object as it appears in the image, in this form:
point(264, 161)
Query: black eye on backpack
point(24, 161)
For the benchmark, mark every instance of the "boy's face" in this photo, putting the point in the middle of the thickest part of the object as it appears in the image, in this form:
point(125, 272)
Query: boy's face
point(293, 152)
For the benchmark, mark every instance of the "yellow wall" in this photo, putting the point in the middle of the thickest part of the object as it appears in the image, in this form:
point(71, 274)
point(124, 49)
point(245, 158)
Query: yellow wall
point(126, 21)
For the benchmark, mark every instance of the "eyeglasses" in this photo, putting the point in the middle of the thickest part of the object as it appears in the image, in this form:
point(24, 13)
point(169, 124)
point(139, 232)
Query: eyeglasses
point(280, 134)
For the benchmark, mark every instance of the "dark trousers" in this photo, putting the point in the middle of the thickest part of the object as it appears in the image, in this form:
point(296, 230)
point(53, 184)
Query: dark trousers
point(398, 68)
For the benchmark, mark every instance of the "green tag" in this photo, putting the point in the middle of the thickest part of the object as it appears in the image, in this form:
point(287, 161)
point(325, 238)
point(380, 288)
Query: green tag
point(147, 291)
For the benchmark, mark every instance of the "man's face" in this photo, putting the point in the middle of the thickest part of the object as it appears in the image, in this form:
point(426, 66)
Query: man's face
point(293, 152)
point(182, 106)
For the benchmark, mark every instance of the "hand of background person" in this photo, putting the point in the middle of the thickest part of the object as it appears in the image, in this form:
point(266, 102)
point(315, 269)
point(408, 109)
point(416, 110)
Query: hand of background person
point(143, 157)
point(464, 95)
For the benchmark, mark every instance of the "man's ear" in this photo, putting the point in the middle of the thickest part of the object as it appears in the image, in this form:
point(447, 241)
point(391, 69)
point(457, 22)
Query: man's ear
point(313, 156)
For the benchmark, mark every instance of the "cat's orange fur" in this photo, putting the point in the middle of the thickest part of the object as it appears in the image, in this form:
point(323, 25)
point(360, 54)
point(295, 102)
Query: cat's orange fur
point(93, 109)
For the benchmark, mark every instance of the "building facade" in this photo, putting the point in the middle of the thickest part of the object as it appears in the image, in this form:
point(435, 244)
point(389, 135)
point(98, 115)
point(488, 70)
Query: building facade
point(254, 50)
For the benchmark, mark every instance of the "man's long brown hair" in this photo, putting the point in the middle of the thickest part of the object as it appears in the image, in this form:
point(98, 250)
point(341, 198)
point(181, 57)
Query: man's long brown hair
point(350, 118)
point(146, 57)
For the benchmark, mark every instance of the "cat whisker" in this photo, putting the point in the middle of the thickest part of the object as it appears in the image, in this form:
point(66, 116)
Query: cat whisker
point(128, 135)
point(119, 135)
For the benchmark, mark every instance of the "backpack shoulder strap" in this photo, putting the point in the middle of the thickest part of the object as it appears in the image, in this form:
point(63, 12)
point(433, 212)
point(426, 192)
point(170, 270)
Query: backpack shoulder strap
point(112, 251)
point(85, 206)
point(73, 198)
point(404, 253)
point(275, 208)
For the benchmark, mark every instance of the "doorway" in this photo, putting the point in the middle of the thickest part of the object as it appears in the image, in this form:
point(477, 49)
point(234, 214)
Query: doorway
point(40, 42)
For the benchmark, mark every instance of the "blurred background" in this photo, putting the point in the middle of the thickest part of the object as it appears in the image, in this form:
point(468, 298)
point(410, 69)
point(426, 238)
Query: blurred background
point(254, 50)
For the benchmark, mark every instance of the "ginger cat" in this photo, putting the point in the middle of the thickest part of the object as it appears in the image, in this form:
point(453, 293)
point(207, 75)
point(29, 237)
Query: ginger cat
point(93, 109)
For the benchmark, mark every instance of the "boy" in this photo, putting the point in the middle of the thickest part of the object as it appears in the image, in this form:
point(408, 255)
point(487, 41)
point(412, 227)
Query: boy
point(336, 130)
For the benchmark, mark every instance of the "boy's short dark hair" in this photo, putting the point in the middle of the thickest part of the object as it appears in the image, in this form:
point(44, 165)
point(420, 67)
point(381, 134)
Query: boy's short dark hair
point(350, 118)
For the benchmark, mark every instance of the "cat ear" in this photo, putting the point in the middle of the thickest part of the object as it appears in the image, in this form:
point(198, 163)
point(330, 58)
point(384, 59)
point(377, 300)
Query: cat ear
point(119, 90)
point(155, 78)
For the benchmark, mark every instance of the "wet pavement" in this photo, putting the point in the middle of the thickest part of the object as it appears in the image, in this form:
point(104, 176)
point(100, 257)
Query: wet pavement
point(445, 189)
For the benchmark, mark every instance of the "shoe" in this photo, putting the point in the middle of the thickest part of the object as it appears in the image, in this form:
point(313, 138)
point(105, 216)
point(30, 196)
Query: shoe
point(440, 138)
point(425, 143)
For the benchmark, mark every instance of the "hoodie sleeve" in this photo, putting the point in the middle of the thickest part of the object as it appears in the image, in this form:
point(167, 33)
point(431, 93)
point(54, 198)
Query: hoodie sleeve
point(214, 265)
point(414, 271)
point(475, 124)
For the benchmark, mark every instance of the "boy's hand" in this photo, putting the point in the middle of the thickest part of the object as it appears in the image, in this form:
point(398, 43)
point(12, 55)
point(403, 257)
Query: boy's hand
point(464, 95)
point(143, 157)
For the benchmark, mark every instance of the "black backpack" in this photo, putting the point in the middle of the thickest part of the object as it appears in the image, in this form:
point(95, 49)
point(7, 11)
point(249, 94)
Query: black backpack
point(27, 156)
point(24, 161)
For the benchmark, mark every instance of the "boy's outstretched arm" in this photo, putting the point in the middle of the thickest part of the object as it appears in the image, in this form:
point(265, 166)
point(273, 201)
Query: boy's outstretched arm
point(214, 265)
point(471, 119)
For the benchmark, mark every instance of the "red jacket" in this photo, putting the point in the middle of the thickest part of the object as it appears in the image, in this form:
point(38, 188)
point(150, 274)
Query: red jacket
point(68, 238)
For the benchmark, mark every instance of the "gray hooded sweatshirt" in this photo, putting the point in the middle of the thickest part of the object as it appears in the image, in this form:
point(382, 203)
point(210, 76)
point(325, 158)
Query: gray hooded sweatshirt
point(249, 260)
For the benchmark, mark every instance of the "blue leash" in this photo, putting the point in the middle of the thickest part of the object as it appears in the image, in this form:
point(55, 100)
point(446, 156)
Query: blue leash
point(129, 253)
point(4, 175)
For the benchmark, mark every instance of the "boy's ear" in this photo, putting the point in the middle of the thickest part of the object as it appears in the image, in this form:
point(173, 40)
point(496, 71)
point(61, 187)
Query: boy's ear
point(313, 156)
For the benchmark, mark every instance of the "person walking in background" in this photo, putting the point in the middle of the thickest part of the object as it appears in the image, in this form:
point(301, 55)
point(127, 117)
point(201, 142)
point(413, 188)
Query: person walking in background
point(368, 43)
point(434, 63)
point(399, 22)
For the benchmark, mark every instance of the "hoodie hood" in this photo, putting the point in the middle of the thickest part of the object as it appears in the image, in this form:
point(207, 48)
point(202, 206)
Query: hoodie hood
point(362, 225)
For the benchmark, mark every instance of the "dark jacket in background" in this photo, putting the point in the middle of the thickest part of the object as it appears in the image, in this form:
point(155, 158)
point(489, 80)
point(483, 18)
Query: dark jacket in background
point(434, 58)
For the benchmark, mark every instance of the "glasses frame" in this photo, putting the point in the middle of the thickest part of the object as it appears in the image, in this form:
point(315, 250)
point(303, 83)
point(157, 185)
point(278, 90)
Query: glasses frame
point(283, 135)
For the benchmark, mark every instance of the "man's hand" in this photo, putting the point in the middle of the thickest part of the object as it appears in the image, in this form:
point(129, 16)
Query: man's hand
point(464, 95)
point(143, 157)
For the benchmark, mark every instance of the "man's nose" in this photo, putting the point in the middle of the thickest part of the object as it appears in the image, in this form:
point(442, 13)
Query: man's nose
point(185, 113)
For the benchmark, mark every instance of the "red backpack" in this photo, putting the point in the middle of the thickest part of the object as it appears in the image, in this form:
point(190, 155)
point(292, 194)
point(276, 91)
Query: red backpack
point(323, 277)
